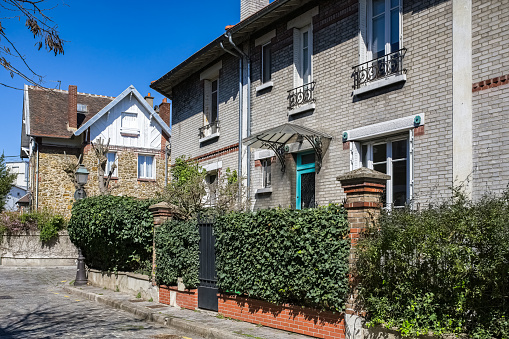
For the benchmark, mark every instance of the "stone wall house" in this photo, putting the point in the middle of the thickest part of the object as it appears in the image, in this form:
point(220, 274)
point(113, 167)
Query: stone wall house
point(410, 88)
point(60, 125)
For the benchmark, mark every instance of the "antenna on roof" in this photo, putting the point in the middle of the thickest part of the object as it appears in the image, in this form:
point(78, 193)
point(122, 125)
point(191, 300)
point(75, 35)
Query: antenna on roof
point(59, 82)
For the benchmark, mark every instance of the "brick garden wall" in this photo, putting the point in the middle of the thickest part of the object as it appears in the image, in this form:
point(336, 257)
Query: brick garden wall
point(186, 299)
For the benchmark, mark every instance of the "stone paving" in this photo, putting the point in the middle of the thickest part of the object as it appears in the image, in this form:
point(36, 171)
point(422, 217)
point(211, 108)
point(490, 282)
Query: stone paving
point(34, 305)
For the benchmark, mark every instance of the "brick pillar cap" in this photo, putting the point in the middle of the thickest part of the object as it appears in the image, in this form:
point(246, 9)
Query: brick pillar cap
point(163, 205)
point(363, 174)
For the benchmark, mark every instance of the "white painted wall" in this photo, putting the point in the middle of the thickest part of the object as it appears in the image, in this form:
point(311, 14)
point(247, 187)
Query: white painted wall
point(21, 169)
point(109, 126)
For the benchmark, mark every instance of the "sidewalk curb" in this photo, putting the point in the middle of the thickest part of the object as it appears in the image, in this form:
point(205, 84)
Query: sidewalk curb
point(180, 324)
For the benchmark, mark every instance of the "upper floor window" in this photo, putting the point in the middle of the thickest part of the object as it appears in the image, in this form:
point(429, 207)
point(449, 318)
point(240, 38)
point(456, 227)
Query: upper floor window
point(266, 62)
point(384, 27)
point(146, 168)
point(210, 101)
point(129, 123)
point(304, 50)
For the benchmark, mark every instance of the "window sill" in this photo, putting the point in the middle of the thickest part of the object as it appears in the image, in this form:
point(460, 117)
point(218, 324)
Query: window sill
point(209, 137)
point(146, 180)
point(302, 109)
point(268, 84)
point(380, 84)
point(266, 190)
point(129, 132)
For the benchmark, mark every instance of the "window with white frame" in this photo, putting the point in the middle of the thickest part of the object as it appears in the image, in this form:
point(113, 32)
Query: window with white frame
point(111, 160)
point(266, 172)
point(383, 27)
point(129, 123)
point(146, 168)
point(390, 156)
point(303, 52)
point(211, 180)
point(211, 101)
point(266, 63)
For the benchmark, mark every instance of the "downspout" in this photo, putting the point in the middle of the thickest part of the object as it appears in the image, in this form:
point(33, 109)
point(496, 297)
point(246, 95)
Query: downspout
point(248, 113)
point(167, 153)
point(241, 94)
point(37, 177)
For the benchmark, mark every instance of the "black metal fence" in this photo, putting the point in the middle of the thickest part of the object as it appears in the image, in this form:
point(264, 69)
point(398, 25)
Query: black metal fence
point(379, 68)
point(207, 290)
point(301, 95)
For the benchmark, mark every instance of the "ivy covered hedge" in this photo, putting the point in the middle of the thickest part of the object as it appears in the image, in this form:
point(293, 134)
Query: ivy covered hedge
point(285, 256)
point(114, 233)
point(177, 253)
point(442, 270)
point(45, 221)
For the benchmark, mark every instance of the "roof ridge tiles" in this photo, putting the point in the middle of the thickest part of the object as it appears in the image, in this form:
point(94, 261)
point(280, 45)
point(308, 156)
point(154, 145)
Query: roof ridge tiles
point(64, 91)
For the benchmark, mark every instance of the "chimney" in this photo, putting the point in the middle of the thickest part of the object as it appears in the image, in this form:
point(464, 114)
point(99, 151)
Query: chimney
point(72, 107)
point(250, 7)
point(164, 111)
point(150, 100)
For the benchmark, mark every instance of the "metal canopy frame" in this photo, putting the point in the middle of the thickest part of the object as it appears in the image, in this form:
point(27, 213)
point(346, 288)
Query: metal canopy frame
point(276, 139)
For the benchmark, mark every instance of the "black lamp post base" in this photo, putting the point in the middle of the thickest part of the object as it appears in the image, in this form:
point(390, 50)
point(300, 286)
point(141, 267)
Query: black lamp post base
point(81, 273)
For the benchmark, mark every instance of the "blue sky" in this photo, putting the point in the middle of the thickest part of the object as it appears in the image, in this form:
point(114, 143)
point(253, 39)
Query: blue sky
point(111, 45)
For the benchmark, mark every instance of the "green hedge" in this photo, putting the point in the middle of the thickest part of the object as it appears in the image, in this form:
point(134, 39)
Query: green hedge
point(177, 253)
point(114, 233)
point(285, 256)
point(445, 269)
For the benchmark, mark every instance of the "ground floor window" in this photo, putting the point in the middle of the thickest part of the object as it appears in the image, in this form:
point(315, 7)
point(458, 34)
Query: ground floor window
point(390, 156)
point(266, 172)
point(146, 167)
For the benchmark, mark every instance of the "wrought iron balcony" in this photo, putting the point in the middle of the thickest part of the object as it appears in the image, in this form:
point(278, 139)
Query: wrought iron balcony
point(379, 68)
point(209, 130)
point(301, 95)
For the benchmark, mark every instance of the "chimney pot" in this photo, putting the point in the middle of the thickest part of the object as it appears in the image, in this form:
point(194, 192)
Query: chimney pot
point(150, 100)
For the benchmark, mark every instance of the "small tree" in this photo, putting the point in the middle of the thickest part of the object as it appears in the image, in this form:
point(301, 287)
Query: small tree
point(228, 191)
point(187, 187)
point(100, 152)
point(6, 181)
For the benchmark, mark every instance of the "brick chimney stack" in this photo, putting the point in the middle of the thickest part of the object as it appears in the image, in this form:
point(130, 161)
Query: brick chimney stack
point(150, 100)
point(250, 7)
point(72, 107)
point(164, 111)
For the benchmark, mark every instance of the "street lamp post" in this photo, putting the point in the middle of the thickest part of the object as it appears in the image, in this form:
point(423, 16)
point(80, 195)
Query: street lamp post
point(81, 179)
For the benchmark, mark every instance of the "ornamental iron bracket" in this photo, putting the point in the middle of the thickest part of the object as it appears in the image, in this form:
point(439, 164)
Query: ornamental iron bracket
point(279, 149)
point(316, 143)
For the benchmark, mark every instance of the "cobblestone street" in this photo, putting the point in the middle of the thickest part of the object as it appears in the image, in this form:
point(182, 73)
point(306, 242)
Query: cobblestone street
point(34, 305)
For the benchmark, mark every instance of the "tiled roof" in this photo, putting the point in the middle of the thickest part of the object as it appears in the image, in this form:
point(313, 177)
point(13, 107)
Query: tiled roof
point(48, 111)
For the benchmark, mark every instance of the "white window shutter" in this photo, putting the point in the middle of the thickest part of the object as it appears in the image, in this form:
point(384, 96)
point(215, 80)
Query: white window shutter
point(297, 78)
point(363, 31)
point(207, 101)
point(355, 155)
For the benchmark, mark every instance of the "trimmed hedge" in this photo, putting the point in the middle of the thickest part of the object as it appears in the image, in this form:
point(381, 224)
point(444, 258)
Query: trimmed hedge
point(285, 256)
point(114, 233)
point(442, 270)
point(177, 253)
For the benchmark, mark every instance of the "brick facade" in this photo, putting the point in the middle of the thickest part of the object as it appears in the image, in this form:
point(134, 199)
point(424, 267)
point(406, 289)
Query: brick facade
point(186, 299)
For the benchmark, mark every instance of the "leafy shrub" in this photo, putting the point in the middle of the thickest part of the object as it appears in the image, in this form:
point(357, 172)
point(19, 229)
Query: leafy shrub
point(48, 223)
point(285, 256)
point(114, 233)
point(177, 252)
point(442, 270)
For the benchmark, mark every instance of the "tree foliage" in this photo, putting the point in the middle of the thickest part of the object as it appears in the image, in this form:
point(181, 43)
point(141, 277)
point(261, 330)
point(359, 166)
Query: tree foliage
point(6, 181)
point(41, 26)
point(442, 270)
point(100, 151)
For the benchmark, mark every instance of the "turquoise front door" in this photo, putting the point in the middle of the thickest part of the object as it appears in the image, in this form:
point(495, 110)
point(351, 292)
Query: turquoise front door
point(305, 192)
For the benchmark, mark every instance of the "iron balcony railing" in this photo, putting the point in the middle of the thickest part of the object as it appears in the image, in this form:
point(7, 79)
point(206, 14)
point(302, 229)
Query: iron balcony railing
point(209, 129)
point(301, 95)
point(379, 68)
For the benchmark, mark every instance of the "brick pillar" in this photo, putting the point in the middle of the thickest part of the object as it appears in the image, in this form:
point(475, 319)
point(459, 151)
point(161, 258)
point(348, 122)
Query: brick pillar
point(363, 188)
point(161, 212)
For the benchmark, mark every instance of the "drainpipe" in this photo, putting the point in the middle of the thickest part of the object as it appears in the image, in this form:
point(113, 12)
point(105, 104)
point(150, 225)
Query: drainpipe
point(37, 177)
point(167, 153)
point(241, 57)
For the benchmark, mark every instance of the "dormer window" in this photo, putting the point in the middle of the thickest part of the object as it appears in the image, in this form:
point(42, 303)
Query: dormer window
point(129, 124)
point(81, 108)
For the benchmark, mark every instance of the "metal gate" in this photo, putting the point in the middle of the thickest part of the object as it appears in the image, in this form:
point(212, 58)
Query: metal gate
point(207, 290)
